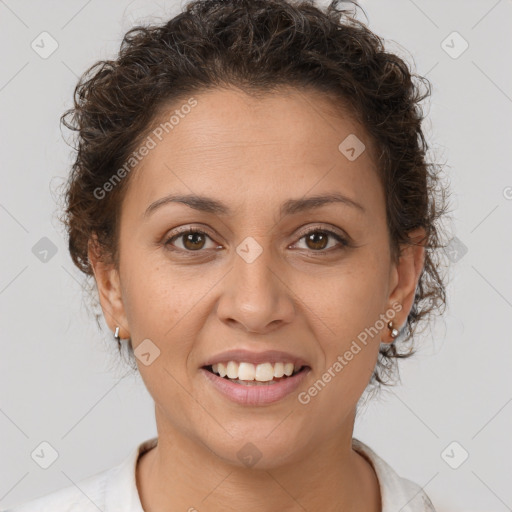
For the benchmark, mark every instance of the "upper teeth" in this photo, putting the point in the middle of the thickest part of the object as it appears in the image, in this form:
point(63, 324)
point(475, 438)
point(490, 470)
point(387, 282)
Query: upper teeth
point(247, 371)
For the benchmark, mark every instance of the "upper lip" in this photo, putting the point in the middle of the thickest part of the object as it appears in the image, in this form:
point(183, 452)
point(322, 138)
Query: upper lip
point(247, 356)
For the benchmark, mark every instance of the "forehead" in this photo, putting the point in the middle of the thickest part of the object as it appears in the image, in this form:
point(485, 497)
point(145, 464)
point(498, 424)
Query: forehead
point(254, 149)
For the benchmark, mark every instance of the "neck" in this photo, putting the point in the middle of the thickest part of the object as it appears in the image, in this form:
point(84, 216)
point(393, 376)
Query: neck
point(182, 474)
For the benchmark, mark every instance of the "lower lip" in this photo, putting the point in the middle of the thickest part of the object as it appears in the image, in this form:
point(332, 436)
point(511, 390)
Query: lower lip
point(256, 394)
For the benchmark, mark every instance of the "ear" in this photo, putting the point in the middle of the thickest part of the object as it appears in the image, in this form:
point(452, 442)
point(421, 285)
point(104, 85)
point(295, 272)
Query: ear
point(109, 290)
point(405, 276)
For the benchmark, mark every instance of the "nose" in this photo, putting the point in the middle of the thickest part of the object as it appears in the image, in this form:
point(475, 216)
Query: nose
point(256, 297)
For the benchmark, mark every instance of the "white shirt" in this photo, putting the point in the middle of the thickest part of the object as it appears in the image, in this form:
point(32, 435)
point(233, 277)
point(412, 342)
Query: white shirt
point(115, 489)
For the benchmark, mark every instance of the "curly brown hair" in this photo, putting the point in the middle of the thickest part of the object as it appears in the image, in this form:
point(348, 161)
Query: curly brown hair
point(258, 46)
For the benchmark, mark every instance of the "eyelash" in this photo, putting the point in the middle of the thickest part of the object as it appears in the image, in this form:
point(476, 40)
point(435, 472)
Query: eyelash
point(186, 231)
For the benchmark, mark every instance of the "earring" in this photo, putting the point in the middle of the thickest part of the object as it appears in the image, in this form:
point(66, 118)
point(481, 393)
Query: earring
point(116, 335)
point(394, 332)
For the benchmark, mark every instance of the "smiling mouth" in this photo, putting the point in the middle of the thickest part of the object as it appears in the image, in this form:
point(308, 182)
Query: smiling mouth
point(252, 380)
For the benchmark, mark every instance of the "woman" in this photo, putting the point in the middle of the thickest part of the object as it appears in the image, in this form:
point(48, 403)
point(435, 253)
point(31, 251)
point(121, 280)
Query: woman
point(252, 197)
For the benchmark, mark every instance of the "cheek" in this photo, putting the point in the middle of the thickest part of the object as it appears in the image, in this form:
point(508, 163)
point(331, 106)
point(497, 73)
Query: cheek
point(160, 308)
point(349, 333)
point(351, 300)
point(349, 330)
point(156, 297)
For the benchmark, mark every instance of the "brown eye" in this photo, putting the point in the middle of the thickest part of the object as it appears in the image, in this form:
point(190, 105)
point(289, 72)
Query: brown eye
point(191, 240)
point(317, 240)
point(194, 240)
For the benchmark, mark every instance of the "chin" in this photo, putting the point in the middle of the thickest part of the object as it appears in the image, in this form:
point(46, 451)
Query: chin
point(257, 450)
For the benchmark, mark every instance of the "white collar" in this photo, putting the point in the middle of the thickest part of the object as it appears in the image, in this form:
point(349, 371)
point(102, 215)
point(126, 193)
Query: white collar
point(397, 493)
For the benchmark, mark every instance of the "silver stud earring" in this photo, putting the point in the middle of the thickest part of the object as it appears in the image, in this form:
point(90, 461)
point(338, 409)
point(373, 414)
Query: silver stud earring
point(116, 335)
point(394, 332)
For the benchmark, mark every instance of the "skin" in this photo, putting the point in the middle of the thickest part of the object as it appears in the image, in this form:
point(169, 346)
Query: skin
point(254, 154)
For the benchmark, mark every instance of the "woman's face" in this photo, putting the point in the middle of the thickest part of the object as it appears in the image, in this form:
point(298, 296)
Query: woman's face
point(253, 280)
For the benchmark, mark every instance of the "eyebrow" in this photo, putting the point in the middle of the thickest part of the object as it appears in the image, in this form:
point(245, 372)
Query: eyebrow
point(289, 207)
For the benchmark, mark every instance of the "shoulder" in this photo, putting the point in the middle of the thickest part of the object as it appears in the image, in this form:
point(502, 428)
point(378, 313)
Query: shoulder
point(397, 493)
point(87, 495)
point(111, 489)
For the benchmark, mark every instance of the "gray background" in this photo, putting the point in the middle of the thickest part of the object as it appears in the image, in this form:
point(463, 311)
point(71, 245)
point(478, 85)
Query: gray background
point(59, 380)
